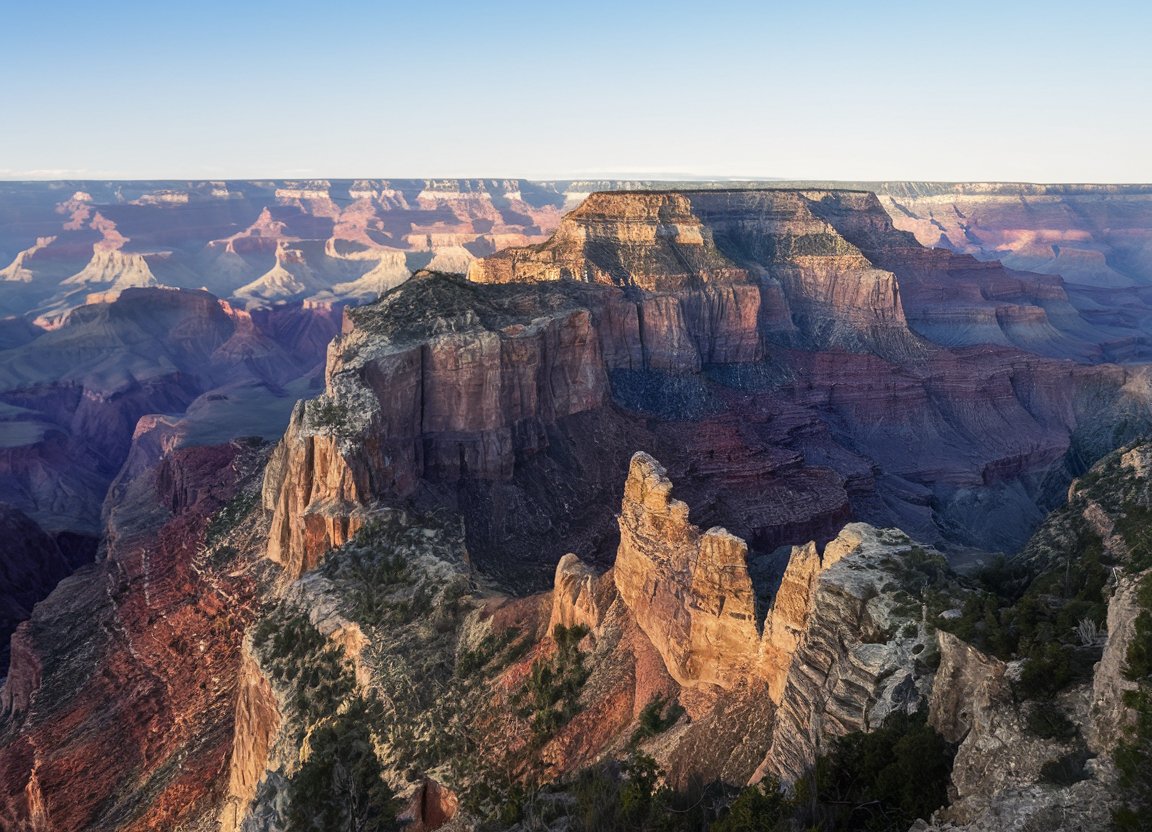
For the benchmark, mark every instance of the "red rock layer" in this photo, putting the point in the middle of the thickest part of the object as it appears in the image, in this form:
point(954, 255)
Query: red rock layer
point(119, 710)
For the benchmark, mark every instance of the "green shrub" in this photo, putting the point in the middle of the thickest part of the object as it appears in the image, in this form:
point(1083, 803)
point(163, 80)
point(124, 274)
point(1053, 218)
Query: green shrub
point(657, 717)
point(329, 414)
point(877, 781)
point(760, 808)
point(1138, 667)
point(1032, 608)
point(340, 786)
point(229, 516)
point(552, 691)
point(631, 797)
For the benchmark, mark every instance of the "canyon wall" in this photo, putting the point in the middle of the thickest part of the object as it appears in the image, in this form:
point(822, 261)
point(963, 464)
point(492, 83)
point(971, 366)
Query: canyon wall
point(689, 325)
point(119, 709)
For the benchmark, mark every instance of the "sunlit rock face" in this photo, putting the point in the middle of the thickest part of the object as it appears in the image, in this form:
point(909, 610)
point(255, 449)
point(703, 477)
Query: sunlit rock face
point(510, 391)
point(756, 258)
point(689, 590)
point(832, 653)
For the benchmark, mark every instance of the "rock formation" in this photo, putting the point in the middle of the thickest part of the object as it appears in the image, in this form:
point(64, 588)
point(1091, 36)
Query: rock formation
point(755, 256)
point(478, 385)
point(794, 360)
point(120, 706)
point(690, 591)
point(577, 598)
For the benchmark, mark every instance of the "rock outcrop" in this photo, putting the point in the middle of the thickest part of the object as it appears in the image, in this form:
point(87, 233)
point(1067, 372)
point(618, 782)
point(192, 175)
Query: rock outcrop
point(690, 591)
point(850, 653)
point(1111, 718)
point(578, 599)
point(257, 722)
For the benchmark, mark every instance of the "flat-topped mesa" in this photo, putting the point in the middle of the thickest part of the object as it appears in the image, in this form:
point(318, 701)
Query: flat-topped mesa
point(649, 240)
point(453, 387)
point(761, 248)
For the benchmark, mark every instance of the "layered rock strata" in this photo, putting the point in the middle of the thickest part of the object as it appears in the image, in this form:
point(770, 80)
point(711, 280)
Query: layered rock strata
point(119, 712)
point(476, 395)
point(761, 251)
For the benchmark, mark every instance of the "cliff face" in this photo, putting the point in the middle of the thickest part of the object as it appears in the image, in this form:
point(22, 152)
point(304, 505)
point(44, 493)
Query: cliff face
point(498, 389)
point(957, 300)
point(835, 650)
point(465, 401)
point(788, 268)
point(690, 591)
point(119, 709)
point(257, 722)
point(516, 400)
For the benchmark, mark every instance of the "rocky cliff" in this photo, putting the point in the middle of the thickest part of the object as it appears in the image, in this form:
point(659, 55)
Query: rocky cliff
point(394, 634)
point(476, 394)
point(444, 383)
point(366, 601)
point(118, 712)
point(772, 255)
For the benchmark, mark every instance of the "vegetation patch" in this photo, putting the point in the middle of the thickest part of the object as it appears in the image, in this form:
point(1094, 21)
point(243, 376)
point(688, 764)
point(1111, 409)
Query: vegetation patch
point(884, 780)
point(1046, 721)
point(329, 415)
point(1043, 607)
point(340, 784)
point(551, 695)
point(657, 717)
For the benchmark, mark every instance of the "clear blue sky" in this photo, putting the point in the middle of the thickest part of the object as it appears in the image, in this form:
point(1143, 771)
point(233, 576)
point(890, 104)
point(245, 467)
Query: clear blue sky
point(1053, 91)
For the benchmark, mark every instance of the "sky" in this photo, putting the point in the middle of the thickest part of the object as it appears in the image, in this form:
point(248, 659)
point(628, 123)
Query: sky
point(1006, 91)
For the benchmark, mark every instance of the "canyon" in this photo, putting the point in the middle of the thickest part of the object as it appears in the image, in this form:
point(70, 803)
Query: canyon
point(720, 448)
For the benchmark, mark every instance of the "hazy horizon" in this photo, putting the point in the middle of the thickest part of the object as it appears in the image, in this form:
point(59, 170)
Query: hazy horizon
point(842, 92)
